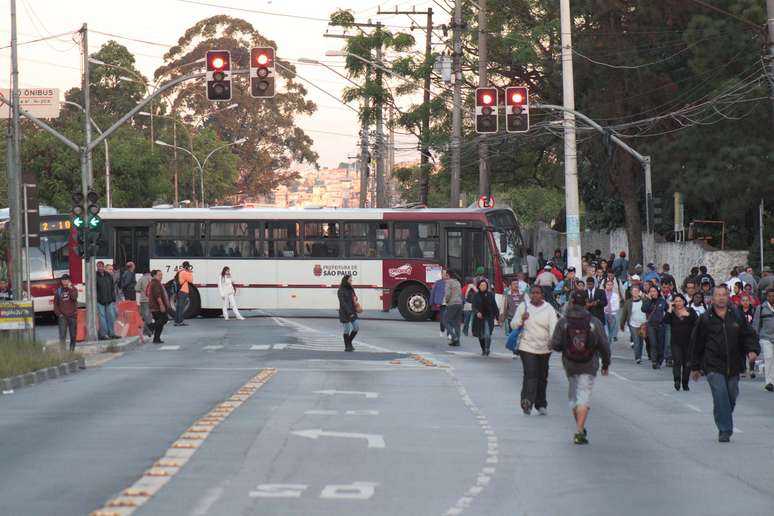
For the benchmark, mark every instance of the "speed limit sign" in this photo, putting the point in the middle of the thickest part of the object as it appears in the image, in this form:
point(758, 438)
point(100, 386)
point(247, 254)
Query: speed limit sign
point(486, 201)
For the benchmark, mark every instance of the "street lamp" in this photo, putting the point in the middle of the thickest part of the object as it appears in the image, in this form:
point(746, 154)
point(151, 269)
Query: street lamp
point(202, 164)
point(108, 197)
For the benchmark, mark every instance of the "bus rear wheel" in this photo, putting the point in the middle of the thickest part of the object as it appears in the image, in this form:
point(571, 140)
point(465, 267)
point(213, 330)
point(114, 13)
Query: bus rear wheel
point(192, 307)
point(414, 303)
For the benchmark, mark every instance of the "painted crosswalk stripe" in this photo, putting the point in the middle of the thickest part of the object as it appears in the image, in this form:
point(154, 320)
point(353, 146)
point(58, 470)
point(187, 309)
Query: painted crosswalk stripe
point(280, 346)
point(212, 348)
point(169, 348)
point(259, 347)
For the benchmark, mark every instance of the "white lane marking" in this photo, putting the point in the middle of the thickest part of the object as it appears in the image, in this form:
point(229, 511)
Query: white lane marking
point(280, 346)
point(259, 347)
point(169, 348)
point(738, 430)
point(693, 407)
point(374, 440)
point(278, 491)
point(288, 369)
point(620, 377)
point(204, 504)
point(309, 331)
point(278, 321)
point(346, 413)
point(321, 412)
point(212, 348)
point(354, 491)
point(331, 392)
point(462, 353)
point(362, 413)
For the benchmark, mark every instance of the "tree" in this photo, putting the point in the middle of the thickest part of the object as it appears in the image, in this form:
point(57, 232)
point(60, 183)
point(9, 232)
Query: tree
point(274, 141)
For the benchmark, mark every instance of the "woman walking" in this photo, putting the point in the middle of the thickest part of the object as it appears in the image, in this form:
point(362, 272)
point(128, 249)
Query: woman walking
point(348, 310)
point(537, 318)
point(747, 308)
point(227, 292)
point(485, 308)
point(655, 307)
point(453, 300)
point(611, 311)
point(634, 317)
point(697, 303)
point(682, 319)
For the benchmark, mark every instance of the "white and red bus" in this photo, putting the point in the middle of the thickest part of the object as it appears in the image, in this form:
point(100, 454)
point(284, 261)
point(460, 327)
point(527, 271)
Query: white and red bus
point(295, 258)
point(48, 261)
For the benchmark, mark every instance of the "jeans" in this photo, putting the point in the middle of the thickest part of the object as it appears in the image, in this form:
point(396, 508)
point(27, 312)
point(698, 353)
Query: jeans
point(768, 359)
point(67, 323)
point(533, 387)
point(182, 299)
point(453, 320)
point(159, 320)
point(442, 317)
point(348, 328)
point(634, 332)
point(725, 390)
point(147, 318)
point(667, 342)
point(611, 325)
point(680, 354)
point(107, 319)
point(656, 340)
point(466, 326)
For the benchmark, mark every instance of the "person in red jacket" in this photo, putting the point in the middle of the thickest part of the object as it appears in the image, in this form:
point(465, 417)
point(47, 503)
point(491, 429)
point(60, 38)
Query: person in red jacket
point(66, 309)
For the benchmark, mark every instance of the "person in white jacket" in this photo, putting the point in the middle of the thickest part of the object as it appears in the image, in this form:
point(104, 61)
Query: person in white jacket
point(537, 318)
point(227, 292)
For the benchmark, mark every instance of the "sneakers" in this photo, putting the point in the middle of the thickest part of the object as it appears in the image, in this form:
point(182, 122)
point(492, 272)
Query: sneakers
point(724, 437)
point(581, 438)
point(769, 387)
point(526, 407)
point(543, 411)
point(443, 334)
point(638, 361)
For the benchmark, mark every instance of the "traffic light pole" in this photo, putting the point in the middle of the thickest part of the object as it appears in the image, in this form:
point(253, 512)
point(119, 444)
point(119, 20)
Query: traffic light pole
point(380, 201)
point(483, 80)
point(15, 171)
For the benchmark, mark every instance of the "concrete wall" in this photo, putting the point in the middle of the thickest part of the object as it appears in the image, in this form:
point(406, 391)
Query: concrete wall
point(680, 256)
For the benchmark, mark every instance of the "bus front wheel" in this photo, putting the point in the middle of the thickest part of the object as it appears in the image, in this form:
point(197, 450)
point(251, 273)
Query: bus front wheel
point(414, 303)
point(193, 305)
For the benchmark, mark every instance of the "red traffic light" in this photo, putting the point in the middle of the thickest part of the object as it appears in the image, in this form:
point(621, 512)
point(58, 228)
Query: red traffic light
point(486, 97)
point(218, 60)
point(516, 96)
point(262, 59)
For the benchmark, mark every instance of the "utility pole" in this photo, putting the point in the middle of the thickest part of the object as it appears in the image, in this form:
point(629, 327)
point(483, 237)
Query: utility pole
point(391, 158)
point(424, 167)
point(87, 179)
point(770, 18)
point(456, 137)
point(379, 122)
point(571, 195)
point(483, 81)
point(15, 172)
point(364, 158)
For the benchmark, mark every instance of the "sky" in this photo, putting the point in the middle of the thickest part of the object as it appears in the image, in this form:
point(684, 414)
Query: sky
point(159, 24)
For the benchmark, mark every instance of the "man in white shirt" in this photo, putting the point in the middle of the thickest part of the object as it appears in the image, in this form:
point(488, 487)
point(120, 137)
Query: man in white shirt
point(532, 265)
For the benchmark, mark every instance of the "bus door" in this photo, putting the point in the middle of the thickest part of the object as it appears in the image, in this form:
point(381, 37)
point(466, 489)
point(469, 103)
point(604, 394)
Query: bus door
point(465, 250)
point(132, 243)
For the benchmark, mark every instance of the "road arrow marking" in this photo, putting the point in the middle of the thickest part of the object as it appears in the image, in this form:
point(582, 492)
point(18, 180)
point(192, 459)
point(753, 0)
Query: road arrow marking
point(331, 392)
point(374, 440)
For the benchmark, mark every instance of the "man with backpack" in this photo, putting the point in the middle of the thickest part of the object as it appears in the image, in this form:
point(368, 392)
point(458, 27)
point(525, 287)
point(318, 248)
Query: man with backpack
point(128, 282)
point(721, 339)
point(582, 341)
point(763, 323)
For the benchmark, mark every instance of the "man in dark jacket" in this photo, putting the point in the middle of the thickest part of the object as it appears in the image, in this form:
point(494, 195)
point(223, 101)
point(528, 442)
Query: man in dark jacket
point(106, 302)
point(721, 338)
point(128, 282)
point(596, 300)
point(66, 310)
point(158, 302)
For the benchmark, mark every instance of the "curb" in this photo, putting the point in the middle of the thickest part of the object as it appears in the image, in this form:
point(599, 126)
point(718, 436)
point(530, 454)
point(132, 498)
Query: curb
point(41, 375)
point(101, 346)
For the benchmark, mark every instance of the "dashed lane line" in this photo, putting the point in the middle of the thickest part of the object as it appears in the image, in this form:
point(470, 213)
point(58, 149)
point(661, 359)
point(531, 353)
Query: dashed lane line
point(181, 451)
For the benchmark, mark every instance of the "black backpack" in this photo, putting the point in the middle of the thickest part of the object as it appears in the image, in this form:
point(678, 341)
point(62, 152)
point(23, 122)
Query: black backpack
point(578, 347)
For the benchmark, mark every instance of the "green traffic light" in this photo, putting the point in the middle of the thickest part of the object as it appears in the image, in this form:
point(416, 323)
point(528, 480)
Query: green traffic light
point(78, 222)
point(94, 222)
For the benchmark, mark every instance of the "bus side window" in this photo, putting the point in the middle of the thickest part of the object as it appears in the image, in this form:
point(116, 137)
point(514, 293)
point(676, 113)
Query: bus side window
point(282, 239)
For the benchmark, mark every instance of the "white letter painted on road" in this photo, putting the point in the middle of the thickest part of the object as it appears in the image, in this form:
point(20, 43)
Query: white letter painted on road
point(354, 491)
point(374, 440)
point(331, 392)
point(278, 491)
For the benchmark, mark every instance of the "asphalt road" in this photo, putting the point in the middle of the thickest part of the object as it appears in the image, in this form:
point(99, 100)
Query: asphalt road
point(373, 432)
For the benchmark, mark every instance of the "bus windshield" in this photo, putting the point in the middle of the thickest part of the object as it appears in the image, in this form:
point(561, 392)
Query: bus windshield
point(508, 239)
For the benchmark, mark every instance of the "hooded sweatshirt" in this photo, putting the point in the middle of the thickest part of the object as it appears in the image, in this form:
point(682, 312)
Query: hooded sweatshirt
point(536, 336)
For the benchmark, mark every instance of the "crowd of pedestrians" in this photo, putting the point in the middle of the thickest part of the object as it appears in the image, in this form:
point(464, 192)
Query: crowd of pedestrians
point(701, 327)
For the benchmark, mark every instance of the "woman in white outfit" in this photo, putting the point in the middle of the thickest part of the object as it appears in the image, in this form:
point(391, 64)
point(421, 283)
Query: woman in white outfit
point(227, 293)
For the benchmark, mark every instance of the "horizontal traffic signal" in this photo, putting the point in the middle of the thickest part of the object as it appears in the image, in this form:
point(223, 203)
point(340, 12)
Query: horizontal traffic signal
point(517, 109)
point(262, 72)
point(218, 75)
point(486, 110)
